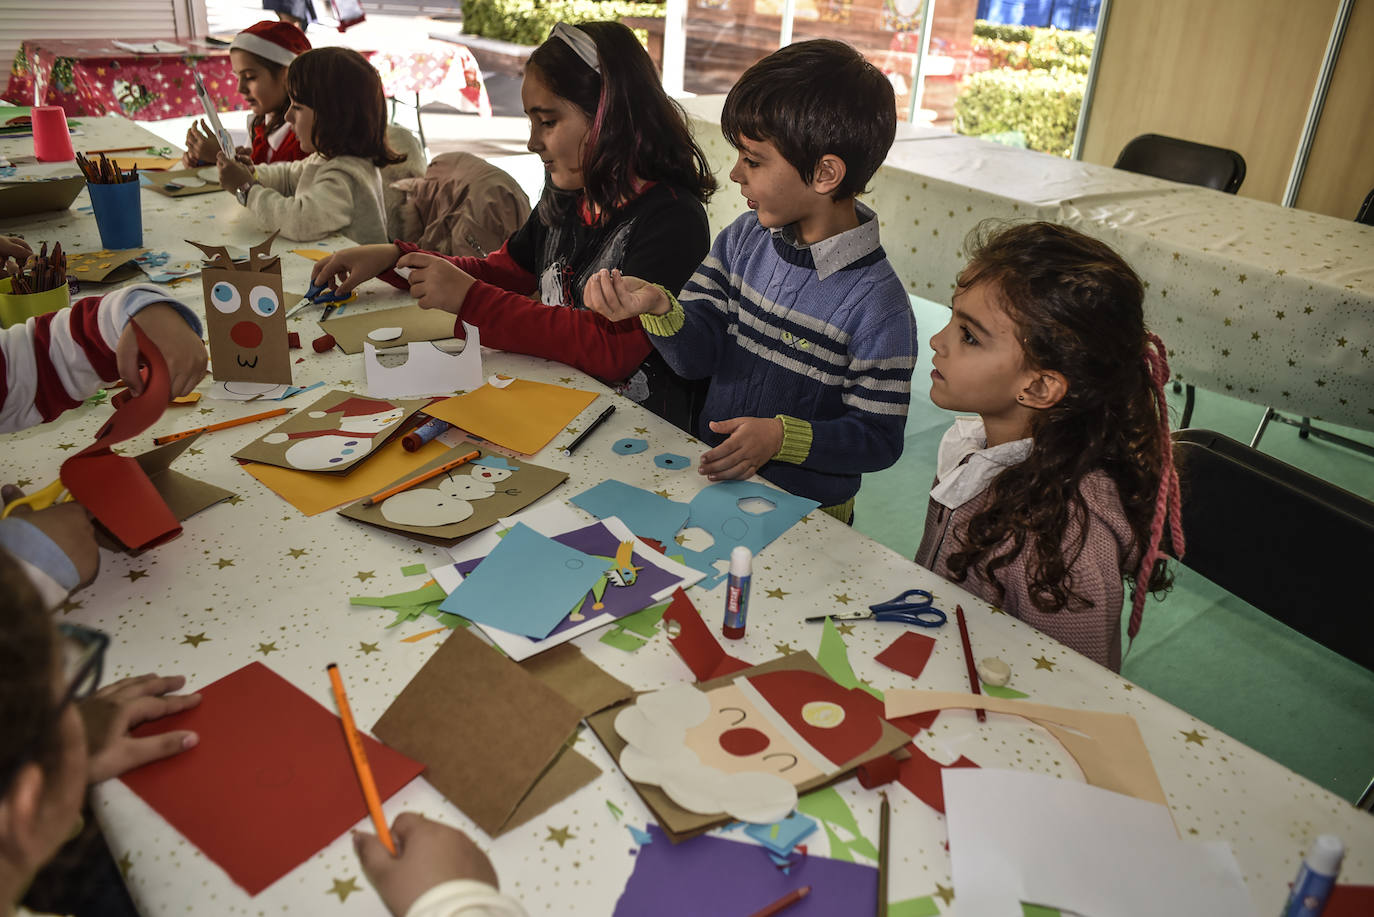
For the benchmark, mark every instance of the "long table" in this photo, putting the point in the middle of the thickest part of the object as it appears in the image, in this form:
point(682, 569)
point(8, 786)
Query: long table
point(1265, 303)
point(253, 580)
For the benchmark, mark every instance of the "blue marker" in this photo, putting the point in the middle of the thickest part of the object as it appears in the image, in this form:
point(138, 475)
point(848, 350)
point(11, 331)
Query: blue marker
point(1316, 877)
point(737, 592)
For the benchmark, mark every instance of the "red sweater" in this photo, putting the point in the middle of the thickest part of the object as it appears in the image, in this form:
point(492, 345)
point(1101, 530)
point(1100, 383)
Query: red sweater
point(289, 151)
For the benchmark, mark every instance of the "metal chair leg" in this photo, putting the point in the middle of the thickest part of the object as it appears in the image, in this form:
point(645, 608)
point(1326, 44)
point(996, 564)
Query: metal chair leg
point(419, 124)
point(1366, 800)
point(1187, 406)
point(1305, 428)
point(1264, 422)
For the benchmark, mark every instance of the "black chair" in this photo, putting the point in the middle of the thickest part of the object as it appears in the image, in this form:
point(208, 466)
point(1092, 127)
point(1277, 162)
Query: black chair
point(1193, 164)
point(1366, 214)
point(1294, 546)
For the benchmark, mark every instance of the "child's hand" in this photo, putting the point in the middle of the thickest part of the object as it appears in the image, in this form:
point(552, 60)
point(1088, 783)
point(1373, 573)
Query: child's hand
point(14, 247)
point(232, 173)
point(436, 283)
point(181, 348)
point(69, 527)
point(427, 853)
point(201, 145)
point(115, 709)
point(619, 297)
point(749, 443)
point(346, 269)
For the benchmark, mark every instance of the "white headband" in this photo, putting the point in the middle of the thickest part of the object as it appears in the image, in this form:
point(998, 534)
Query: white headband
point(580, 42)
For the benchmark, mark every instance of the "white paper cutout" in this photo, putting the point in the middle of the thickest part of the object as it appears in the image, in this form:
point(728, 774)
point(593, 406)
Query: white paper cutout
point(246, 391)
point(496, 381)
point(385, 334)
point(428, 370)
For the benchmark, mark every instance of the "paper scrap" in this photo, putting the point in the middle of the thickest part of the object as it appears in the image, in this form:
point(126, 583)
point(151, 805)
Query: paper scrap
point(695, 643)
point(908, 654)
point(414, 569)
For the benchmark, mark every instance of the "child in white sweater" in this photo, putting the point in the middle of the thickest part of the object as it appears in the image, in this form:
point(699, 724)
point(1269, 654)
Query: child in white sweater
point(338, 111)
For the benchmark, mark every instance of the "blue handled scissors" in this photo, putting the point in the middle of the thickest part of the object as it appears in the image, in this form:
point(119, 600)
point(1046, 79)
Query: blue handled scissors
point(911, 607)
point(319, 294)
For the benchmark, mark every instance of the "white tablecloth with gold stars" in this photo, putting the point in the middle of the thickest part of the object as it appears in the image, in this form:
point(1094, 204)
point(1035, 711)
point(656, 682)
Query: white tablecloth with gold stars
point(1261, 302)
point(253, 580)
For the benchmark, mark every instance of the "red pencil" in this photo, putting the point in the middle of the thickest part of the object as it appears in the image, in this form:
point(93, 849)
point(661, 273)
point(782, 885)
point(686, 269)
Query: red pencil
point(968, 660)
point(785, 901)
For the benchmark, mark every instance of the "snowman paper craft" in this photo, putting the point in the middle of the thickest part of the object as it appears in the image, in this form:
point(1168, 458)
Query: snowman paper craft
point(244, 316)
point(451, 501)
point(333, 434)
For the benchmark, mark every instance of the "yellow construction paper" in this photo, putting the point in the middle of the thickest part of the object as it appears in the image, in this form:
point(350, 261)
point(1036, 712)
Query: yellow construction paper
point(523, 416)
point(1107, 746)
point(146, 163)
point(314, 254)
point(313, 493)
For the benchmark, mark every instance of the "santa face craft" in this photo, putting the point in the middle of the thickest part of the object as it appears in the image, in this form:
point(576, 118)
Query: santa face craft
point(334, 434)
point(245, 318)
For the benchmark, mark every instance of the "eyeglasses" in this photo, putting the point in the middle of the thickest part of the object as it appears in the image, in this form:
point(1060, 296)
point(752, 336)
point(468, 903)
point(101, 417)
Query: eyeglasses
point(83, 661)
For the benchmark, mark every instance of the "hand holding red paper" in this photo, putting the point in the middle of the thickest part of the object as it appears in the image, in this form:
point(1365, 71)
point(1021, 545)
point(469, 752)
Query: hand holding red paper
point(112, 712)
point(346, 269)
point(429, 853)
point(619, 297)
point(436, 283)
point(749, 443)
point(181, 348)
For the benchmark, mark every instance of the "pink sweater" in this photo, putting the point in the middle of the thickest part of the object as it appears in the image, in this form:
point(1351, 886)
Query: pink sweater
point(1093, 629)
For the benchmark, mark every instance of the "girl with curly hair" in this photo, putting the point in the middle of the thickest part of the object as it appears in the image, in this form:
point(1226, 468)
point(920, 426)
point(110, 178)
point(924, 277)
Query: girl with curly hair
point(1063, 483)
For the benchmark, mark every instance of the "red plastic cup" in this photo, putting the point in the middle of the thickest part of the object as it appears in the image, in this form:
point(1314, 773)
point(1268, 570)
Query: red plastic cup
point(51, 141)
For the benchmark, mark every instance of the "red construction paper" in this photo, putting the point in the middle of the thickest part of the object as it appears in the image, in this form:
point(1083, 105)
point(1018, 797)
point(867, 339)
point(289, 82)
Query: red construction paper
point(271, 782)
point(908, 654)
point(695, 643)
point(915, 722)
point(795, 695)
point(115, 488)
point(922, 775)
point(1350, 901)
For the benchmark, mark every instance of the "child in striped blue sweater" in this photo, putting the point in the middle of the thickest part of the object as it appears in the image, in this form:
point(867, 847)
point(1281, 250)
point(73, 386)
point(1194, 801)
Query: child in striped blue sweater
point(796, 316)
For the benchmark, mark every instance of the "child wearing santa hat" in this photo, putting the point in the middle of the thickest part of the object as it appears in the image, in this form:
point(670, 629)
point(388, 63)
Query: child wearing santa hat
point(260, 55)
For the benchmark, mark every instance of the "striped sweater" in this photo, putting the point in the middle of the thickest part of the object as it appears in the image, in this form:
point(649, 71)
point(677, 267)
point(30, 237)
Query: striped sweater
point(832, 357)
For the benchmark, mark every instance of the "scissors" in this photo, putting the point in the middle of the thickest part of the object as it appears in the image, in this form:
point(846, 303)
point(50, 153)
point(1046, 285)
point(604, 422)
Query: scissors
point(55, 492)
point(911, 607)
point(318, 294)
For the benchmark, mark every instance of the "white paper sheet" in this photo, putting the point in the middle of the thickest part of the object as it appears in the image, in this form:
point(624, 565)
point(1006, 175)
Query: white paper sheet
point(427, 370)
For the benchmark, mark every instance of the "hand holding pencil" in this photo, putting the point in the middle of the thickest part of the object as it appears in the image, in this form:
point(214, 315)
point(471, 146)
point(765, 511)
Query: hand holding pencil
point(428, 853)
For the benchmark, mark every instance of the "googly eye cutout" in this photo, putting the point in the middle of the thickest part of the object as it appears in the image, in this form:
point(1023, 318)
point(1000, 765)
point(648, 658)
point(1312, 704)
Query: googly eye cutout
point(226, 297)
point(263, 300)
point(670, 461)
point(629, 446)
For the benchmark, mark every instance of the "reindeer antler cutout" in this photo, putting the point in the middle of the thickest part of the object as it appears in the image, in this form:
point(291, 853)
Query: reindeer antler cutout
point(218, 255)
point(258, 259)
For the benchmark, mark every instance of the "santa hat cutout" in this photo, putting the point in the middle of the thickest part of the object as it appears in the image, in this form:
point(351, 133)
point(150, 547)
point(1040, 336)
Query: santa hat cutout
point(838, 723)
point(278, 42)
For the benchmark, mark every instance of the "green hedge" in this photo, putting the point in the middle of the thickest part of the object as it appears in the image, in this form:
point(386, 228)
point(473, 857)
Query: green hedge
point(1002, 53)
point(528, 22)
point(1046, 50)
point(984, 29)
point(1041, 104)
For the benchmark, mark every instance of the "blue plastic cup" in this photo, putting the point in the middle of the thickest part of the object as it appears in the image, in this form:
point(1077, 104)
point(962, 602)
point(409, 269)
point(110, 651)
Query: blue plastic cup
point(118, 214)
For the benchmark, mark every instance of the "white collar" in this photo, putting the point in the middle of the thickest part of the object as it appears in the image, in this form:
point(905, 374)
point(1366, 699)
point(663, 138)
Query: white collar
point(959, 481)
point(278, 136)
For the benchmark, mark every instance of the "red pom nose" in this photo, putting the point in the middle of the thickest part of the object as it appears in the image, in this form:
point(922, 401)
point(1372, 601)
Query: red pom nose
point(743, 741)
point(246, 334)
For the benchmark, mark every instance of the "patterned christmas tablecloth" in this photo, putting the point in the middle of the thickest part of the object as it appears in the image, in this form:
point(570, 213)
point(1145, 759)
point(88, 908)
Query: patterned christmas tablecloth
point(1265, 303)
point(252, 580)
point(93, 77)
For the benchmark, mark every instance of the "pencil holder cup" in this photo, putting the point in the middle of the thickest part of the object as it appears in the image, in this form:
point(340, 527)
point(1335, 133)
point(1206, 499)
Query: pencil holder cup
point(17, 308)
point(51, 141)
point(118, 213)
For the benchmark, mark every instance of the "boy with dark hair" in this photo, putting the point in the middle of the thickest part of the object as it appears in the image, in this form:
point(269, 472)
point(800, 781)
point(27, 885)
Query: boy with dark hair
point(796, 316)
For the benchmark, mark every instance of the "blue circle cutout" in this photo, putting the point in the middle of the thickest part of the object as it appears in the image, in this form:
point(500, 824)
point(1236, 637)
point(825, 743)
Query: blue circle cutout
point(629, 446)
point(671, 462)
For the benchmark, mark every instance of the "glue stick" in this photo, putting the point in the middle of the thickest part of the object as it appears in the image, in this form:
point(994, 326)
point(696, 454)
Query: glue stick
point(737, 592)
point(422, 434)
point(1316, 877)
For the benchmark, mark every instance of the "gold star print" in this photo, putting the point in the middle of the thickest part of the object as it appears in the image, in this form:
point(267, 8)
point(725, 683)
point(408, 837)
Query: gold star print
point(206, 410)
point(642, 431)
point(1241, 278)
point(1341, 342)
point(224, 562)
point(23, 482)
point(1176, 256)
point(843, 598)
point(125, 864)
point(561, 835)
point(345, 381)
point(65, 446)
point(235, 500)
point(68, 606)
point(777, 593)
point(997, 611)
point(266, 648)
point(783, 648)
point(344, 887)
point(136, 575)
point(944, 894)
point(1042, 663)
point(1279, 314)
point(296, 552)
point(572, 431)
point(664, 494)
point(680, 539)
point(1216, 292)
point(195, 639)
point(363, 576)
point(1193, 736)
point(366, 648)
point(566, 380)
point(845, 628)
point(1226, 322)
point(194, 451)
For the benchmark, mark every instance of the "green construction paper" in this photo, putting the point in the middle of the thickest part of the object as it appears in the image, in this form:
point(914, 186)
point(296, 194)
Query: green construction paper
point(839, 850)
point(833, 656)
point(864, 847)
point(644, 623)
point(406, 613)
point(422, 596)
point(413, 569)
point(449, 620)
point(622, 640)
point(1003, 691)
point(1035, 910)
point(914, 907)
point(615, 809)
point(827, 805)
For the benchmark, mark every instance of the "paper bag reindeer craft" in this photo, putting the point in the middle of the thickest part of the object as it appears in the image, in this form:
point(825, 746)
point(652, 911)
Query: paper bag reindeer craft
point(244, 315)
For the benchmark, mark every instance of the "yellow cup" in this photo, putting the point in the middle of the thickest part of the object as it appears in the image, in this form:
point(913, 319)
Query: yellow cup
point(17, 308)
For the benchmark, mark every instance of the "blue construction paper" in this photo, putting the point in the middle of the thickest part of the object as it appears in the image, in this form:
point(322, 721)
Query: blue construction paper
point(782, 836)
point(629, 446)
point(713, 875)
point(647, 514)
point(525, 585)
point(671, 461)
point(641, 837)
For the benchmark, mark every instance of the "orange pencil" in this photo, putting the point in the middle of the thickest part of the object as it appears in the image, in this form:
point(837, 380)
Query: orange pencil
point(222, 425)
point(355, 747)
point(392, 491)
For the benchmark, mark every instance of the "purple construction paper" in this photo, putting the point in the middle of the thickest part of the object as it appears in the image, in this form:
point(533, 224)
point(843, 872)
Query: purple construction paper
point(713, 875)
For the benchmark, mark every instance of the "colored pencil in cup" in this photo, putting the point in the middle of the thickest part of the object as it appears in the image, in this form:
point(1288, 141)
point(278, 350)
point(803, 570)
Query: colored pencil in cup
point(968, 660)
point(392, 491)
point(783, 903)
point(355, 748)
point(222, 425)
